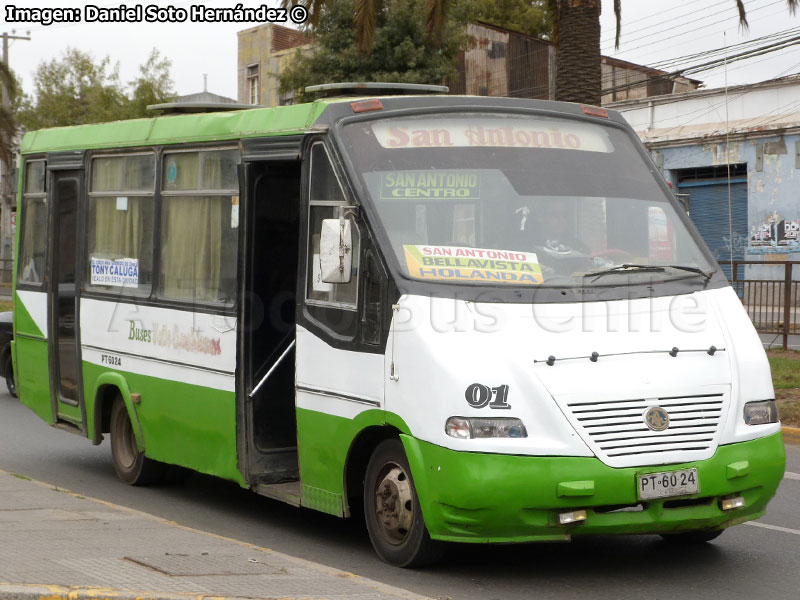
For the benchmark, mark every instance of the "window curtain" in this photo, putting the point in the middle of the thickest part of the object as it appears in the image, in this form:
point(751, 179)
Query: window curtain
point(118, 233)
point(192, 246)
point(193, 226)
point(107, 174)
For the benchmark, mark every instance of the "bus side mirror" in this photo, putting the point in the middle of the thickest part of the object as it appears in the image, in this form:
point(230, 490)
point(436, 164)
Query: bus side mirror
point(336, 251)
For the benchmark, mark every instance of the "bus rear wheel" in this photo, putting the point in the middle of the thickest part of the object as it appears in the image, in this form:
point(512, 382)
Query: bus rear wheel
point(392, 511)
point(131, 465)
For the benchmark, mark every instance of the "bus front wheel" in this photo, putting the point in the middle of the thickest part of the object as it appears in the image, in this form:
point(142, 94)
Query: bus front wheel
point(131, 465)
point(392, 511)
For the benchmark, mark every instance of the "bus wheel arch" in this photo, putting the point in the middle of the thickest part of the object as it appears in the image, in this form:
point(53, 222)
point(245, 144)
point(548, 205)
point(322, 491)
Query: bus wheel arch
point(130, 462)
point(109, 386)
point(392, 510)
point(358, 456)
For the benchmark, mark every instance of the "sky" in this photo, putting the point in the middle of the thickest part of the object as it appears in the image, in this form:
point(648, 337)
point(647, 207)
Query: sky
point(651, 32)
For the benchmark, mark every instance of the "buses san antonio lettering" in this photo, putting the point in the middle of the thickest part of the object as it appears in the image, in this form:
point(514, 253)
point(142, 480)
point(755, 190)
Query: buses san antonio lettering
point(140, 334)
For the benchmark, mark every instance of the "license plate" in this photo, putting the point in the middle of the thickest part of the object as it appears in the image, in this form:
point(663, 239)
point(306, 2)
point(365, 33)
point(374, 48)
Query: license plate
point(666, 484)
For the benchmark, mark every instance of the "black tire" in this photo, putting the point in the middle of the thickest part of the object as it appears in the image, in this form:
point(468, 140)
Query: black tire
point(131, 465)
point(395, 524)
point(11, 383)
point(700, 536)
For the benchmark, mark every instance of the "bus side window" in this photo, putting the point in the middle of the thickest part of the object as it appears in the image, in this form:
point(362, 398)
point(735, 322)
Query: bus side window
point(199, 226)
point(33, 236)
point(120, 223)
point(327, 201)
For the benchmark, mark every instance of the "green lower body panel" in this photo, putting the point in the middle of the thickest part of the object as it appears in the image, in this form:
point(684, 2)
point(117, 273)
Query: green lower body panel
point(33, 376)
point(473, 497)
point(181, 424)
point(323, 443)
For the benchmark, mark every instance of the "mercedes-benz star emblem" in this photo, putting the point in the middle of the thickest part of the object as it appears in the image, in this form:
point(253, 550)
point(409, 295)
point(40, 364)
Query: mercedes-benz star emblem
point(656, 418)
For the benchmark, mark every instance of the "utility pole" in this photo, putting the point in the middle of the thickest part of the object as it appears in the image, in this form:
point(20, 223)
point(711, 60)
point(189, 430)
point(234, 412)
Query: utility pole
point(6, 182)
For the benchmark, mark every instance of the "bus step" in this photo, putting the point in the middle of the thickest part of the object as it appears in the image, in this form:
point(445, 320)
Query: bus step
point(288, 492)
point(67, 426)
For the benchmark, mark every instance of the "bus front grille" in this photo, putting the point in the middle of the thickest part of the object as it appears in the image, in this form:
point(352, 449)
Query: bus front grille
point(616, 430)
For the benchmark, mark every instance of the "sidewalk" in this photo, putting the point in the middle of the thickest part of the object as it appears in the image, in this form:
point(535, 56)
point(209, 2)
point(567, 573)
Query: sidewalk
point(57, 544)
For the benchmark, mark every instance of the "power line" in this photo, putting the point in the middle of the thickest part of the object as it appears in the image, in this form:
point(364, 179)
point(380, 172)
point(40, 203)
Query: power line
point(710, 53)
point(650, 16)
point(674, 62)
point(672, 37)
point(681, 17)
point(710, 64)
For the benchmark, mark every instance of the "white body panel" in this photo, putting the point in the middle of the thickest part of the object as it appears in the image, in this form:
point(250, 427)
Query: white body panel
point(441, 346)
point(335, 381)
point(36, 305)
point(194, 348)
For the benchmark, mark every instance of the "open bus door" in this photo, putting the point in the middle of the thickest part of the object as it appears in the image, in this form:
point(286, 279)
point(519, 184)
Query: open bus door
point(267, 430)
point(66, 189)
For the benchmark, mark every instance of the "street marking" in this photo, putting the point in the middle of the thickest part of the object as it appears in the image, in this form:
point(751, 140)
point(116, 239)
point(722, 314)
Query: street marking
point(775, 527)
point(789, 475)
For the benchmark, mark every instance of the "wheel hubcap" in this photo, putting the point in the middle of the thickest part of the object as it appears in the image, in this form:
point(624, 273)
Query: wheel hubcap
point(394, 504)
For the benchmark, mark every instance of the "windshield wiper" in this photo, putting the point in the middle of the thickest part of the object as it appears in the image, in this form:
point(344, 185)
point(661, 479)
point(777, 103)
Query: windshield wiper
point(638, 268)
point(690, 269)
point(623, 269)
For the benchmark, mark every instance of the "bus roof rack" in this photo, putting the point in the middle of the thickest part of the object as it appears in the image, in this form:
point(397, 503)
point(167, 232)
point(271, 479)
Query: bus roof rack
point(376, 88)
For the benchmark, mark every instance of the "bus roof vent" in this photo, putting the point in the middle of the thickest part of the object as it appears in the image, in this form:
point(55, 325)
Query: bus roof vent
point(376, 88)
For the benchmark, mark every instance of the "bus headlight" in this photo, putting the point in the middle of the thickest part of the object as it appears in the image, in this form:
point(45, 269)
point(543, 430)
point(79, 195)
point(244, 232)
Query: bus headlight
point(761, 413)
point(474, 427)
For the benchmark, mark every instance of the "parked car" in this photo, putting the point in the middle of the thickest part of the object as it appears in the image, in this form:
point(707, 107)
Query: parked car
point(6, 367)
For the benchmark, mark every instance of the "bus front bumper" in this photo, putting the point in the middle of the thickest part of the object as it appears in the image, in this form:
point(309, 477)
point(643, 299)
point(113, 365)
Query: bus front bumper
point(475, 497)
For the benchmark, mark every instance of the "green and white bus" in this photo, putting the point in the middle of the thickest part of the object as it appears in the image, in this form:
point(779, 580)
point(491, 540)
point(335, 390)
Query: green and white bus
point(481, 319)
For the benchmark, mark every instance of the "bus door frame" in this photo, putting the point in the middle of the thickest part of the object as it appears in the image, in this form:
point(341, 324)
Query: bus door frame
point(65, 166)
point(257, 467)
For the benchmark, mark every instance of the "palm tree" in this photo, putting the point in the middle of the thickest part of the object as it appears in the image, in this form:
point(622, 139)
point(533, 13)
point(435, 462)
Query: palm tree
point(576, 33)
point(8, 126)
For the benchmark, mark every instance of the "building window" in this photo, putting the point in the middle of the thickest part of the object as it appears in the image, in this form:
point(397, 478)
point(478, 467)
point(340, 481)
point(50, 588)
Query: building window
point(120, 225)
point(252, 83)
point(199, 226)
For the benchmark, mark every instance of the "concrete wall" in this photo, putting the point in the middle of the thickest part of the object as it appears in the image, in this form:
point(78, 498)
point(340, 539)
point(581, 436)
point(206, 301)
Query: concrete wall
point(703, 113)
point(773, 187)
point(254, 45)
point(255, 49)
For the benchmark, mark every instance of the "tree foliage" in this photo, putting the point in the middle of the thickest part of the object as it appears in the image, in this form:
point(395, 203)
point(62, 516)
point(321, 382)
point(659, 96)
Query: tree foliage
point(401, 49)
point(8, 126)
point(75, 90)
point(526, 16)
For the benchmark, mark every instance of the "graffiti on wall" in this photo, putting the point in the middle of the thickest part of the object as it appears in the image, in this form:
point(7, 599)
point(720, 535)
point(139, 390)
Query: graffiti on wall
point(775, 234)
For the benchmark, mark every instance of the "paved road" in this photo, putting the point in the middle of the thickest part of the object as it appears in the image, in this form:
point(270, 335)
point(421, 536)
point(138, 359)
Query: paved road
point(772, 340)
point(746, 562)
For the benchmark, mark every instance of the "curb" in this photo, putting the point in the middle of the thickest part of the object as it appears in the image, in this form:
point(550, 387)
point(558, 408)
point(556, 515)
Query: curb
point(791, 435)
point(16, 591)
point(57, 592)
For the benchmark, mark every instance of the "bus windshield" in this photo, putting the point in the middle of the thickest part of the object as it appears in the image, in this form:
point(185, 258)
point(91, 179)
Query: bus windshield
point(511, 199)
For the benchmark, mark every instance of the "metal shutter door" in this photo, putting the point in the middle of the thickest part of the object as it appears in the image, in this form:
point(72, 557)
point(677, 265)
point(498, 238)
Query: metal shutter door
point(708, 209)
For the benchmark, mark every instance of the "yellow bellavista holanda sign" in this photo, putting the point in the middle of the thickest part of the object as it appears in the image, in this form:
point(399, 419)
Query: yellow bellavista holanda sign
point(482, 265)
